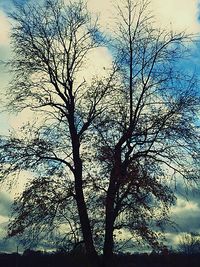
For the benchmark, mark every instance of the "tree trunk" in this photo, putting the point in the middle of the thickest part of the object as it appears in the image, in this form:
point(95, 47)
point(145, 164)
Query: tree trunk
point(110, 209)
point(80, 200)
point(84, 221)
point(109, 223)
point(108, 241)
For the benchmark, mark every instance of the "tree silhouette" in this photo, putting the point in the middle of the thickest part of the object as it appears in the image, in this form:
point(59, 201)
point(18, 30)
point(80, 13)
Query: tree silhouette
point(110, 147)
point(154, 137)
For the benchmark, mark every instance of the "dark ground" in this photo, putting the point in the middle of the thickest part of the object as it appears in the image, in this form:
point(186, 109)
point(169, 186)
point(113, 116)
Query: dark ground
point(37, 259)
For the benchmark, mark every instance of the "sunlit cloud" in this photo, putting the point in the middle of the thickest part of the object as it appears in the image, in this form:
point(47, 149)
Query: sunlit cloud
point(178, 15)
point(185, 206)
point(4, 29)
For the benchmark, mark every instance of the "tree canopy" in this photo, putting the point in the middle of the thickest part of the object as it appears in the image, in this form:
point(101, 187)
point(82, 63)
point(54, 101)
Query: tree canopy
point(104, 152)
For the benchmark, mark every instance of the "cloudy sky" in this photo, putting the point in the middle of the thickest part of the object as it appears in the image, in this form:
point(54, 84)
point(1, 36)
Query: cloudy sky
point(179, 15)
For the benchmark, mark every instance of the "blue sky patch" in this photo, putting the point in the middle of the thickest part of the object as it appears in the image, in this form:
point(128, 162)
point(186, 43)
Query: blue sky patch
point(6, 5)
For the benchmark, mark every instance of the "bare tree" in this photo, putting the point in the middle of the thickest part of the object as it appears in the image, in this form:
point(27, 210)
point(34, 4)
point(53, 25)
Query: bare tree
point(50, 45)
point(112, 146)
point(154, 137)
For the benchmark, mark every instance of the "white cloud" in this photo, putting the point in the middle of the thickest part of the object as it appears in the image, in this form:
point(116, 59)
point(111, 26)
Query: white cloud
point(4, 29)
point(98, 60)
point(178, 15)
point(184, 207)
point(105, 11)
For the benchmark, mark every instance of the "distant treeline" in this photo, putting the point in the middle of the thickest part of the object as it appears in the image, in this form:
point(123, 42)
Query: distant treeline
point(58, 259)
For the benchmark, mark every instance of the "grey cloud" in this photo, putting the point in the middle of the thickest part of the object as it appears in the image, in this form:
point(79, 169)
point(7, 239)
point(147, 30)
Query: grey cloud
point(4, 53)
point(8, 245)
point(5, 204)
point(6, 4)
point(188, 222)
point(185, 219)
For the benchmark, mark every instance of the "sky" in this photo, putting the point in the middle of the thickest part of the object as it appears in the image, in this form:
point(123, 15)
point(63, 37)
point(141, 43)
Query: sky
point(179, 15)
